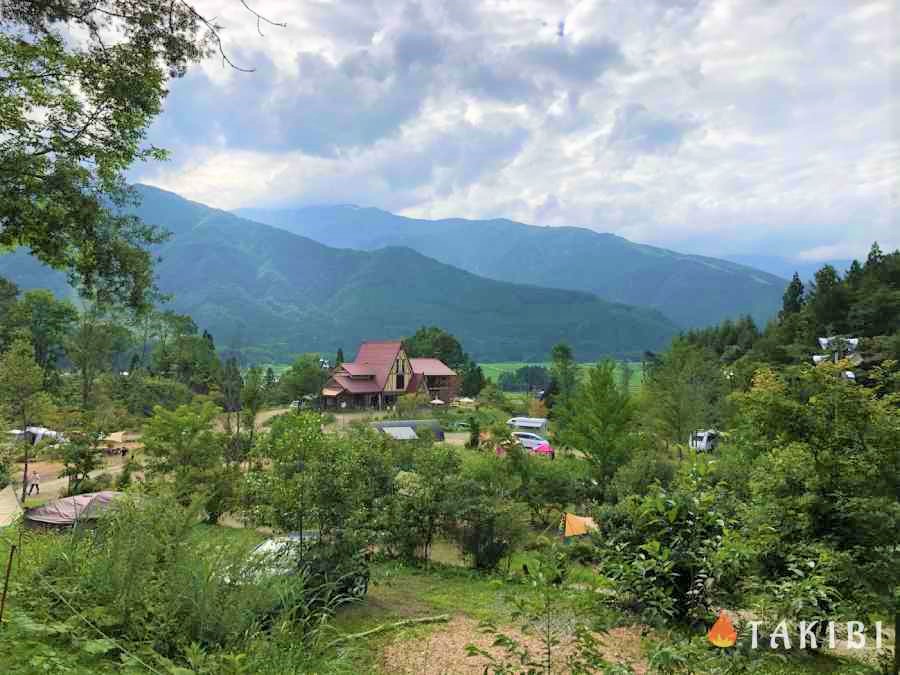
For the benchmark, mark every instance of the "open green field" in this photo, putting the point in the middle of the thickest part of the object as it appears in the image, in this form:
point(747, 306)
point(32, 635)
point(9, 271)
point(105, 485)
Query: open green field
point(492, 371)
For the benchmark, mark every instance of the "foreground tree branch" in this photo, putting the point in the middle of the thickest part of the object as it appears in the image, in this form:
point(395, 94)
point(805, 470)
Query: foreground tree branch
point(440, 618)
point(73, 119)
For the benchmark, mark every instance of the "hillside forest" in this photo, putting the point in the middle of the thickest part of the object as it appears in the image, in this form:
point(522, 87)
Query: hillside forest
point(793, 517)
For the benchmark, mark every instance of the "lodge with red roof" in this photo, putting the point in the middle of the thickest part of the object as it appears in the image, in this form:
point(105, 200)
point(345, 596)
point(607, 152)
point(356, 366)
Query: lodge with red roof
point(381, 372)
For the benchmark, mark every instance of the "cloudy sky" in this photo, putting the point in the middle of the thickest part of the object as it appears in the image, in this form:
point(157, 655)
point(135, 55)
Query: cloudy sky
point(709, 126)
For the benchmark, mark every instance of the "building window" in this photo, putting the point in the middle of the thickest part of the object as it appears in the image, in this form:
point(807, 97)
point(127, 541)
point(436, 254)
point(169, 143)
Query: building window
point(401, 378)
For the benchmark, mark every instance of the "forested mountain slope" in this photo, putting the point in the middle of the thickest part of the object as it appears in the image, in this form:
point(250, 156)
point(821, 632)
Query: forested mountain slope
point(691, 290)
point(272, 294)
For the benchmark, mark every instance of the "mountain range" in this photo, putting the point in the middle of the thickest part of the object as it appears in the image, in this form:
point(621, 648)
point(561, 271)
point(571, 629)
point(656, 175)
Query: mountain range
point(272, 294)
point(691, 290)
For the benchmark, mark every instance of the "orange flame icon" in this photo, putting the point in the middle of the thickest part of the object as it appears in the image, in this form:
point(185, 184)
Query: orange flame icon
point(722, 634)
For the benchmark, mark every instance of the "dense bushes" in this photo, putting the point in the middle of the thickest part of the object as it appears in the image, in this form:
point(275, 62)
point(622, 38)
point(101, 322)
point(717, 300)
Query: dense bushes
point(150, 578)
point(664, 549)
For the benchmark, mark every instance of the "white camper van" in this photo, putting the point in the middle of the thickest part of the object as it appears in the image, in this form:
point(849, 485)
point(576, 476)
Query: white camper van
point(527, 423)
point(704, 440)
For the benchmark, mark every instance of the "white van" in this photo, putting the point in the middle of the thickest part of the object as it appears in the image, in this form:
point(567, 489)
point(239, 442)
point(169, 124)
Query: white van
point(529, 423)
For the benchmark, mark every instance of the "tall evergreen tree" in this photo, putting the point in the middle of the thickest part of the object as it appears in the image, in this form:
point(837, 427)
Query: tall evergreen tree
point(793, 297)
point(339, 358)
point(564, 371)
point(829, 301)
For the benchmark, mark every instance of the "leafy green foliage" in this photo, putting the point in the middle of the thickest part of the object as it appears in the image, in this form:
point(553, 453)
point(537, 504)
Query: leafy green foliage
point(304, 377)
point(76, 114)
point(151, 583)
point(683, 392)
point(596, 418)
point(663, 550)
point(181, 443)
point(46, 321)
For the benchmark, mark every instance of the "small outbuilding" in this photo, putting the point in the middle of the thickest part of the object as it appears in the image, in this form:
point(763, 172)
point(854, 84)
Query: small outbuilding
point(414, 425)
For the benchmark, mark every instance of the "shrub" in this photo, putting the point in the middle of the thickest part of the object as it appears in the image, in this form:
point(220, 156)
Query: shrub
point(150, 577)
point(489, 530)
point(646, 467)
point(663, 549)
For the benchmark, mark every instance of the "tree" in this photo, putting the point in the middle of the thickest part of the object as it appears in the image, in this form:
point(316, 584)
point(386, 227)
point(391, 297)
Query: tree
point(436, 343)
point(48, 322)
point(89, 348)
point(793, 297)
point(270, 382)
point(625, 376)
point(596, 419)
point(304, 377)
point(74, 115)
point(526, 378)
point(81, 456)
point(473, 380)
point(21, 382)
point(829, 301)
point(253, 397)
point(683, 392)
point(232, 385)
point(9, 292)
point(826, 490)
point(181, 443)
point(339, 357)
point(564, 371)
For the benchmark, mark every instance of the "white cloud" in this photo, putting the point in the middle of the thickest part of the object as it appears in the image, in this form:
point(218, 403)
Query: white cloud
point(725, 126)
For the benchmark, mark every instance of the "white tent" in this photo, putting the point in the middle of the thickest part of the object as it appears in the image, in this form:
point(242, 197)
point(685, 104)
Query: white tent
point(437, 401)
point(39, 434)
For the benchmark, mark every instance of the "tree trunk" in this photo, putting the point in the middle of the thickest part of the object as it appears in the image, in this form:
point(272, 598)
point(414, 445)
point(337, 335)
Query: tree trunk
point(25, 470)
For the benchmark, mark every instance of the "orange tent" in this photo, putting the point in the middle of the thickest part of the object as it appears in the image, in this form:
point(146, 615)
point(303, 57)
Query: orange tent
point(575, 526)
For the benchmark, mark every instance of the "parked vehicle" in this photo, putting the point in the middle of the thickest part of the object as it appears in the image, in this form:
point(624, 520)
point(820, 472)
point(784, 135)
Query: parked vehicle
point(528, 439)
point(530, 423)
point(334, 568)
point(534, 443)
point(704, 440)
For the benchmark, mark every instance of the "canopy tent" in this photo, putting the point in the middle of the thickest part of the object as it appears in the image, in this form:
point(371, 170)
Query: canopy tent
point(437, 401)
point(69, 511)
point(575, 526)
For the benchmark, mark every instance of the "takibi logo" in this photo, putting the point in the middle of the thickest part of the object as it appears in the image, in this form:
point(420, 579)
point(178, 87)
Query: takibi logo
point(722, 634)
point(811, 634)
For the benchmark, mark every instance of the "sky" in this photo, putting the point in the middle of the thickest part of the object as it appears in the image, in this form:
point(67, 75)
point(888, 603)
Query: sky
point(719, 127)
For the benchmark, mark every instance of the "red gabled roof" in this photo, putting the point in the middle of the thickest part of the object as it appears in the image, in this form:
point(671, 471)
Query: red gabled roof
point(373, 358)
point(357, 369)
point(354, 386)
point(376, 358)
point(430, 367)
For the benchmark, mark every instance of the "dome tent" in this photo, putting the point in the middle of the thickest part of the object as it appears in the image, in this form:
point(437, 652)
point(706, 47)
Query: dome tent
point(71, 511)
